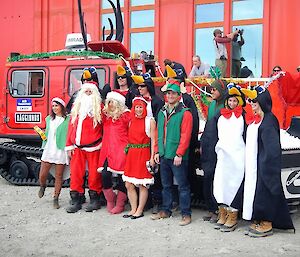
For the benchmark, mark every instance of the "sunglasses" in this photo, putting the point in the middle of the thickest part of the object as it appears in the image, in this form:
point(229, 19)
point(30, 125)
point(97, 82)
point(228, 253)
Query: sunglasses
point(122, 77)
point(143, 85)
point(252, 100)
point(276, 70)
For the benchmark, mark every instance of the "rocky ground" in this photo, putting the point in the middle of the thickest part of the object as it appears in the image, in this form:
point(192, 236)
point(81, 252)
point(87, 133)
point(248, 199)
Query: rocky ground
point(29, 226)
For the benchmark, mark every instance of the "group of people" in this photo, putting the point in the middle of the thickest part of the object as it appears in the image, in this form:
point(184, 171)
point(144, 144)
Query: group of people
point(122, 134)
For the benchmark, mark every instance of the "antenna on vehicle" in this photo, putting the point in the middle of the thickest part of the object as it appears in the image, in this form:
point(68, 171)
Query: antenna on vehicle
point(82, 25)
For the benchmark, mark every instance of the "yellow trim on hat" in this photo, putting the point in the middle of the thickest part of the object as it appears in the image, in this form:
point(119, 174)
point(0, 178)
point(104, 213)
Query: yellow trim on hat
point(86, 74)
point(170, 72)
point(252, 94)
point(120, 70)
point(138, 79)
point(234, 91)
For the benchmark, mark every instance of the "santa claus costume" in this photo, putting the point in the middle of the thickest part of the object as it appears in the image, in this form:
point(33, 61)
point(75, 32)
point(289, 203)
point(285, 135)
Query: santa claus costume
point(112, 158)
point(138, 154)
point(83, 145)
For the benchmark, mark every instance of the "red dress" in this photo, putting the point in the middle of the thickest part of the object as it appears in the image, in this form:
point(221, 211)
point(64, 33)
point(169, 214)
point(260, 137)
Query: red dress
point(115, 139)
point(135, 169)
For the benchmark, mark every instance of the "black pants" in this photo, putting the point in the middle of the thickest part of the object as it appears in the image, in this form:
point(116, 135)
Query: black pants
point(209, 198)
point(109, 181)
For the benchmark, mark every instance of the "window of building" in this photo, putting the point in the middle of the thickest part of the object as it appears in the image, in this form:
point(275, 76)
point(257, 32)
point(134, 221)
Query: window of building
point(75, 79)
point(106, 4)
point(142, 41)
point(209, 12)
point(247, 9)
point(204, 44)
point(141, 2)
point(28, 83)
point(252, 49)
point(142, 19)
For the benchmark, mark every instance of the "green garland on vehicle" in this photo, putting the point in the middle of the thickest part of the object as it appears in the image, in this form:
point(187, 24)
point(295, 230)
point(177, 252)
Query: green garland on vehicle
point(135, 146)
point(63, 53)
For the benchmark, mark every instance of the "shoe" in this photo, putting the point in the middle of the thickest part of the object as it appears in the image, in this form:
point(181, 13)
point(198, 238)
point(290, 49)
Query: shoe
point(55, 203)
point(213, 219)
point(94, 203)
point(120, 203)
point(126, 216)
point(221, 217)
point(231, 222)
point(185, 220)
point(155, 209)
point(41, 191)
point(75, 205)
point(137, 217)
point(252, 226)
point(208, 216)
point(110, 197)
point(263, 229)
point(160, 215)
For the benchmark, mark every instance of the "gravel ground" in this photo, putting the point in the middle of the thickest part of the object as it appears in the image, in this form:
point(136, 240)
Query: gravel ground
point(29, 226)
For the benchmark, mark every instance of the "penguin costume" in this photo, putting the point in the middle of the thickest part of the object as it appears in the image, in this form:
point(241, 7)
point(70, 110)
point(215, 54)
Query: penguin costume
point(264, 201)
point(230, 150)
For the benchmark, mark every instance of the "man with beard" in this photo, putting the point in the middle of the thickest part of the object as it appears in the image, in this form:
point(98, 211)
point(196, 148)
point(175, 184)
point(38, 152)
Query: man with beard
point(83, 145)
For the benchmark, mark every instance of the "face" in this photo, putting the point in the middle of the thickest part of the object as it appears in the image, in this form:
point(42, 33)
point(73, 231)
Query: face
point(143, 90)
point(111, 106)
point(138, 110)
point(88, 91)
point(232, 102)
point(57, 109)
point(255, 106)
point(122, 81)
point(196, 61)
point(276, 70)
point(172, 97)
point(215, 94)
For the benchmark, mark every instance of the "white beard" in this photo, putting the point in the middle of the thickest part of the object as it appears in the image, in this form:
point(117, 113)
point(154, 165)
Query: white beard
point(86, 106)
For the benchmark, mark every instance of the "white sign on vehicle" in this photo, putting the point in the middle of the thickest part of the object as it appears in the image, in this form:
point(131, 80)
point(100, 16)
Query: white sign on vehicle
point(24, 104)
point(28, 117)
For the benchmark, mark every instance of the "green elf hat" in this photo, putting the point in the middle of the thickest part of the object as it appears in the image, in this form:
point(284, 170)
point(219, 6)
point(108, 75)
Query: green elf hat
point(174, 85)
point(220, 85)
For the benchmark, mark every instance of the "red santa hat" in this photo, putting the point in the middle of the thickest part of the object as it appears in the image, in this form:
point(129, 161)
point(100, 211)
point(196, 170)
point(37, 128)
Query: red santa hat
point(116, 96)
point(59, 100)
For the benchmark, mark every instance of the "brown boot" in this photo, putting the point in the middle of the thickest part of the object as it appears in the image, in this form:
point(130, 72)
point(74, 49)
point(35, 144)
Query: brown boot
point(221, 217)
point(185, 220)
point(231, 221)
point(41, 191)
point(264, 228)
point(55, 203)
point(160, 215)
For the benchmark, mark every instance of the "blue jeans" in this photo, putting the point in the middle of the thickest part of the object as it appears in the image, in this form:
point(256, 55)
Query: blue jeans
point(167, 171)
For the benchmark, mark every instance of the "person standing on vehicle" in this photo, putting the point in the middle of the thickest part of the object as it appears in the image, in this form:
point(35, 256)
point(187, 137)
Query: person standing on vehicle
point(54, 148)
point(83, 146)
point(220, 49)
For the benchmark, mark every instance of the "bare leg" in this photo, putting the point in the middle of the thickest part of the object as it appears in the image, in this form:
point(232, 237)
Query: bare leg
point(59, 170)
point(143, 196)
point(44, 171)
point(132, 196)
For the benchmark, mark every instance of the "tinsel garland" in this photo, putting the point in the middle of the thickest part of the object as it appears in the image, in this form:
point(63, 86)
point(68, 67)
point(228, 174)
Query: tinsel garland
point(199, 80)
point(135, 146)
point(204, 100)
point(63, 53)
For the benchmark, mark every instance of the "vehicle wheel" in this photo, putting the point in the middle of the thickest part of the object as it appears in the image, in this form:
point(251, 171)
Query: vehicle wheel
point(3, 157)
point(18, 169)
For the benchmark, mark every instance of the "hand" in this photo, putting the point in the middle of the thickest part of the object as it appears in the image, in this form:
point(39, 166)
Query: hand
point(70, 153)
point(152, 162)
point(156, 158)
point(177, 160)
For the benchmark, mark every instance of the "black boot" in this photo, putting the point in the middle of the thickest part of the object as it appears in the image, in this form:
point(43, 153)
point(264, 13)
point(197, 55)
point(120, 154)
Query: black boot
point(95, 203)
point(75, 204)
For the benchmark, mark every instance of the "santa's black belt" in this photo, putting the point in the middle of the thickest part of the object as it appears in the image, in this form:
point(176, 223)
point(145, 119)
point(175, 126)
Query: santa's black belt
point(91, 144)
